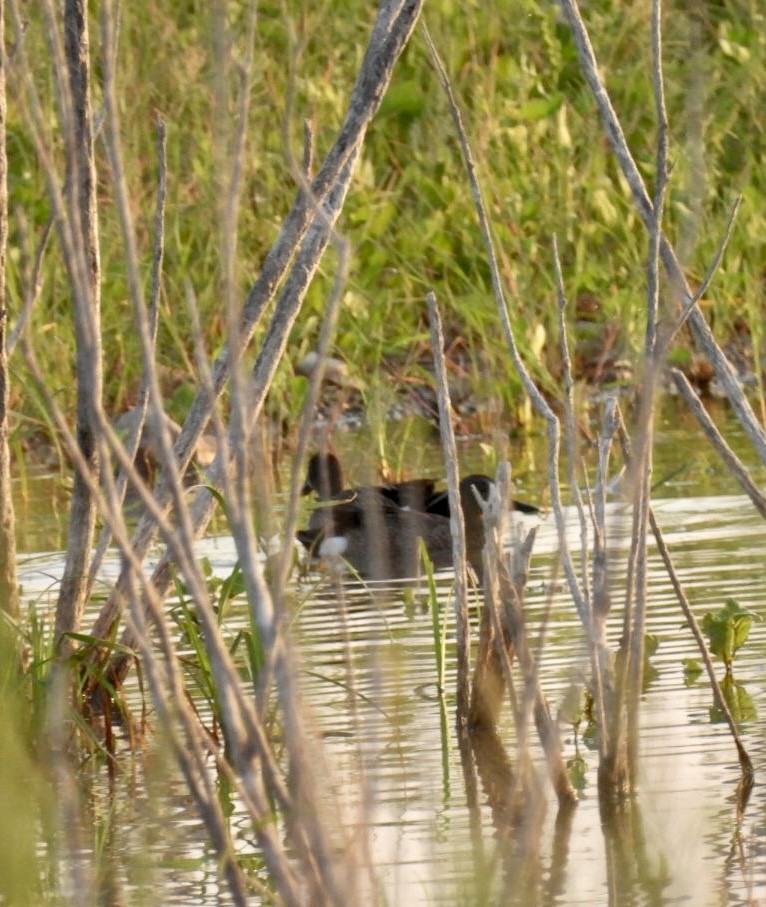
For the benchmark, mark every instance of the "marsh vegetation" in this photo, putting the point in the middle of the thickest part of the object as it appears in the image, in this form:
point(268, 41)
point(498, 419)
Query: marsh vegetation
point(478, 221)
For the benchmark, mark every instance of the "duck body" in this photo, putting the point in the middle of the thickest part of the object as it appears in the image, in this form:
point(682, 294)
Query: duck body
point(375, 535)
point(377, 529)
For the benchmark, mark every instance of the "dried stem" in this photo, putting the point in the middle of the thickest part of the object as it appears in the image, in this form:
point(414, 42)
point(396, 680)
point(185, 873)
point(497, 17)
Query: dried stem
point(304, 236)
point(732, 461)
point(720, 701)
point(133, 440)
point(570, 424)
point(82, 213)
point(537, 398)
point(700, 330)
point(457, 526)
point(641, 472)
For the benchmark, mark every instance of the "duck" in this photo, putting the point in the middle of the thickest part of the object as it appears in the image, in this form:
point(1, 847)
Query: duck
point(376, 528)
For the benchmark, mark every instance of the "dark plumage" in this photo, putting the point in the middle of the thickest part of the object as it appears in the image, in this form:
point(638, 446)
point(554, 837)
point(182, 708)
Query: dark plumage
point(376, 528)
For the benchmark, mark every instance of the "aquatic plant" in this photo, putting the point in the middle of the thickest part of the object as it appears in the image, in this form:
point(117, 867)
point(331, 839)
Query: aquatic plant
point(727, 630)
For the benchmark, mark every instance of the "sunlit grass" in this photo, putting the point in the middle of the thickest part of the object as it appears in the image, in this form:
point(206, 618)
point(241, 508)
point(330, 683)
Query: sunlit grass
point(410, 217)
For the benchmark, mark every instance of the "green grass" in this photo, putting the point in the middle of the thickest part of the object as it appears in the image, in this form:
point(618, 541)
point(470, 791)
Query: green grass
point(410, 219)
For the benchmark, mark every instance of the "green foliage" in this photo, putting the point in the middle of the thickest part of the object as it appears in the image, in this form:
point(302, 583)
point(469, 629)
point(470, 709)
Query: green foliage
point(23, 789)
point(727, 630)
point(739, 701)
point(409, 217)
point(692, 671)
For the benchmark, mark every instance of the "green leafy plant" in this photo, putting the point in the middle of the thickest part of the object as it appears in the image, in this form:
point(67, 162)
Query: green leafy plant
point(727, 630)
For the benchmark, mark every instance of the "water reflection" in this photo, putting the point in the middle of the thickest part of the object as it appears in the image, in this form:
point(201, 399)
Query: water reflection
point(666, 844)
point(446, 821)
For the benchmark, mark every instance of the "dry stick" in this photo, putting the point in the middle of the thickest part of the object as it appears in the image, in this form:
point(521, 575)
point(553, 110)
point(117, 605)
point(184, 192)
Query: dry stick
point(390, 33)
point(167, 694)
point(492, 674)
point(735, 465)
point(258, 594)
point(141, 317)
point(598, 600)
point(457, 525)
point(133, 441)
point(302, 175)
point(512, 627)
point(700, 329)
point(538, 400)
point(304, 769)
point(642, 463)
point(599, 651)
point(238, 492)
point(83, 213)
point(326, 335)
point(167, 688)
point(37, 120)
point(314, 243)
point(299, 807)
point(570, 430)
point(33, 288)
point(9, 582)
point(253, 731)
point(246, 736)
point(706, 280)
point(240, 723)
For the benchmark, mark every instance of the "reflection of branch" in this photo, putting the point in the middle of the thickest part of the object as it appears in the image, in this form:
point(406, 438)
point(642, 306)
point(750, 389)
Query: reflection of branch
point(504, 635)
point(518, 809)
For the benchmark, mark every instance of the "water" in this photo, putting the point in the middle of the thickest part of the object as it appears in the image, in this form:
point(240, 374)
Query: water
point(689, 766)
point(390, 755)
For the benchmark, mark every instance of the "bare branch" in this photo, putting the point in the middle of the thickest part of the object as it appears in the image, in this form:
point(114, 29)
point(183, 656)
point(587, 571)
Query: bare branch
point(457, 526)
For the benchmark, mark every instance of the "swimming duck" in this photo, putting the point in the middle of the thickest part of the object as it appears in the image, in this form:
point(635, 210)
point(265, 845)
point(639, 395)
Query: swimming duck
point(376, 528)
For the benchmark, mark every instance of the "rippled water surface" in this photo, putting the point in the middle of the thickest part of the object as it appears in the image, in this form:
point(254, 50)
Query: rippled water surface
point(391, 761)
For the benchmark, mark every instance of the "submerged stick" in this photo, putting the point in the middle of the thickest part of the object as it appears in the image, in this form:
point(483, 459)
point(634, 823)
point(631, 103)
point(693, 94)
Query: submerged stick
point(503, 601)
